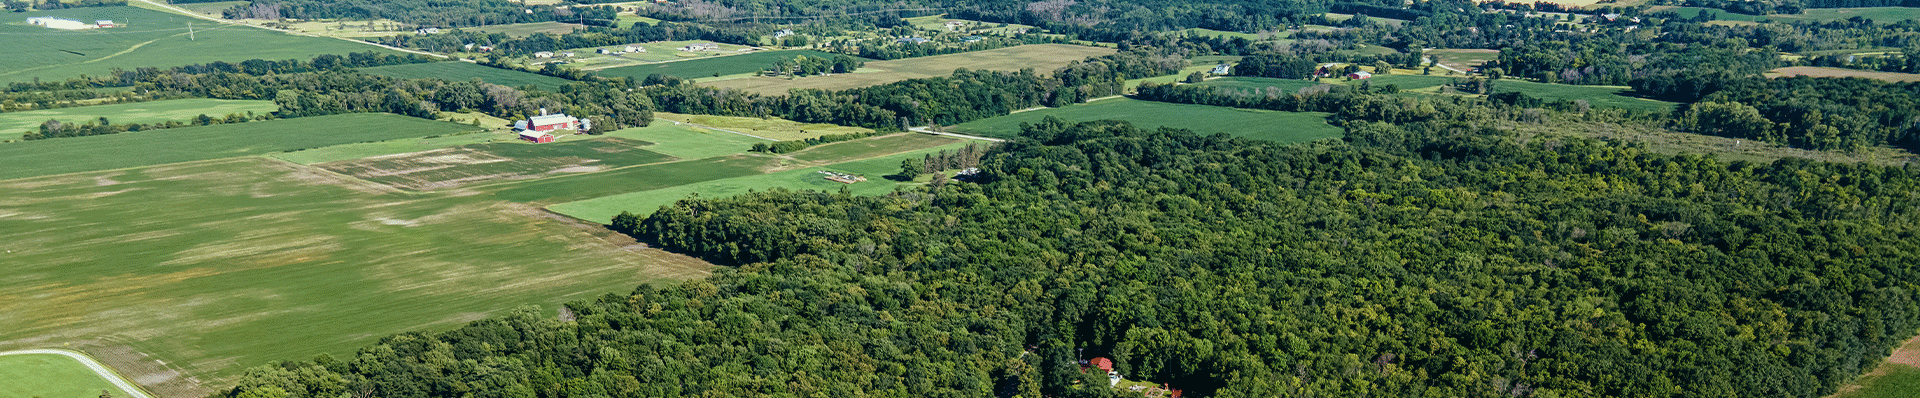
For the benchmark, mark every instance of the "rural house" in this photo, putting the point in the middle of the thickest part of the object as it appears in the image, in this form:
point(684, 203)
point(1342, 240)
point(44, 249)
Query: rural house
point(1222, 69)
point(700, 47)
point(636, 49)
point(604, 51)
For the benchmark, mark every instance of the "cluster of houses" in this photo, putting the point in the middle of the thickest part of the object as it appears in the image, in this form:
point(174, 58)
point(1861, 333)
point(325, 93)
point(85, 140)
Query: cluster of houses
point(540, 129)
point(68, 24)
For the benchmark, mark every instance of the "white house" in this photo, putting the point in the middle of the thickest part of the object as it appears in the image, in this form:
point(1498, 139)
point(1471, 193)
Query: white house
point(636, 49)
point(104, 23)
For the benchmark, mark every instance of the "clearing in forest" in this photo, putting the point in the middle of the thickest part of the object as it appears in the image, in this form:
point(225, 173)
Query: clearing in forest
point(1042, 58)
point(1462, 60)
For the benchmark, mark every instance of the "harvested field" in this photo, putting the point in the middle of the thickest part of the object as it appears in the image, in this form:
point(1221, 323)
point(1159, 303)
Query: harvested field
point(1817, 71)
point(1040, 57)
point(13, 124)
point(474, 164)
point(153, 147)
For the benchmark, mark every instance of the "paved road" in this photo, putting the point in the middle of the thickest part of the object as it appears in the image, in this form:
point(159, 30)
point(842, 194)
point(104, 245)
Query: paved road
point(970, 137)
point(105, 373)
point(183, 11)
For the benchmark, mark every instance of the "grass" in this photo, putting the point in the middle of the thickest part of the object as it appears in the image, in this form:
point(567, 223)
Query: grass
point(13, 124)
point(481, 163)
point(861, 149)
point(528, 29)
point(1462, 59)
point(1599, 96)
point(463, 71)
point(588, 58)
point(1817, 71)
point(1040, 57)
point(1244, 83)
point(147, 39)
point(631, 179)
point(688, 142)
point(602, 209)
point(628, 20)
point(708, 67)
point(50, 375)
point(1284, 127)
point(213, 8)
point(1877, 14)
point(250, 260)
point(1898, 376)
point(343, 152)
point(1406, 82)
point(134, 149)
point(770, 128)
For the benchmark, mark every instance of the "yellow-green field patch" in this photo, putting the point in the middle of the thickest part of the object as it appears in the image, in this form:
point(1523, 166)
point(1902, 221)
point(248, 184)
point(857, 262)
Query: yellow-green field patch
point(473, 164)
point(772, 128)
point(1042, 57)
point(1820, 71)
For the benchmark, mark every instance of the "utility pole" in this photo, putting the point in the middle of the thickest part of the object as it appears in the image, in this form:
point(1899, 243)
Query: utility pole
point(190, 31)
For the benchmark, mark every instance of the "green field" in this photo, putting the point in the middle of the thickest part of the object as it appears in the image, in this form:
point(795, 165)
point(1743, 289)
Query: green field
point(688, 142)
point(528, 29)
point(1897, 382)
point(861, 149)
point(1284, 127)
point(13, 124)
point(602, 210)
point(146, 38)
point(1040, 57)
point(381, 148)
point(145, 148)
point(1243, 83)
point(50, 376)
point(708, 67)
point(1877, 14)
point(1405, 82)
point(631, 179)
point(1599, 96)
point(483, 163)
point(463, 71)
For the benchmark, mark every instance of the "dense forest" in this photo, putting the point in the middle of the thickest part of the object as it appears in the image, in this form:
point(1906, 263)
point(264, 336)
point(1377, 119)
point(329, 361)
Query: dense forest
point(1430, 259)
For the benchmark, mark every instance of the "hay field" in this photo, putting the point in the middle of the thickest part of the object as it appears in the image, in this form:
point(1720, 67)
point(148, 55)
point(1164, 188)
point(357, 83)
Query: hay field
point(1284, 127)
point(50, 375)
point(772, 128)
point(528, 29)
point(1041, 57)
point(13, 124)
point(153, 147)
point(686, 141)
point(221, 265)
point(752, 62)
point(1599, 96)
point(1818, 71)
point(846, 151)
point(463, 71)
point(483, 163)
point(1244, 83)
point(147, 39)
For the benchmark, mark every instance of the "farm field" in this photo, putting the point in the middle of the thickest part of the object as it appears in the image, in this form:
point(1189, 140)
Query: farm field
point(1042, 57)
point(770, 128)
point(1405, 82)
point(866, 148)
point(1601, 96)
point(13, 124)
point(146, 148)
point(481, 163)
point(1877, 14)
point(146, 38)
point(361, 150)
point(1283, 127)
point(50, 375)
point(708, 67)
point(211, 9)
point(1244, 83)
point(1897, 377)
point(463, 71)
point(560, 189)
point(255, 260)
point(686, 141)
point(1462, 59)
point(1817, 71)
point(602, 209)
point(528, 29)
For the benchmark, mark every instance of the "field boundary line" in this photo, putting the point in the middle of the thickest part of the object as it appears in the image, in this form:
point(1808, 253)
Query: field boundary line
point(970, 137)
point(105, 372)
point(182, 11)
point(717, 128)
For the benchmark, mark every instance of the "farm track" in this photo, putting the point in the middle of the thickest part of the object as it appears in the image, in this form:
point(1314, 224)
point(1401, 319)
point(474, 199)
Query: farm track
point(182, 11)
point(102, 370)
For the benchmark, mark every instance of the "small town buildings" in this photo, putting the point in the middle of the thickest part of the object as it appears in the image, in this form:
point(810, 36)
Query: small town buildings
point(783, 33)
point(1359, 75)
point(543, 54)
point(58, 23)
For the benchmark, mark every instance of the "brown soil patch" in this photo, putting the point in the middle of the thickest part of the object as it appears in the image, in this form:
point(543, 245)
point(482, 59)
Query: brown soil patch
point(1816, 71)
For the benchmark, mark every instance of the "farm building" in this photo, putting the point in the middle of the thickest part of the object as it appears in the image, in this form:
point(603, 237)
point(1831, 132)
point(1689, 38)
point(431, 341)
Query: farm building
point(1222, 69)
point(557, 121)
point(103, 23)
point(58, 23)
point(1359, 75)
point(426, 31)
point(700, 47)
point(1105, 365)
point(915, 40)
point(543, 54)
point(537, 137)
point(636, 49)
point(604, 51)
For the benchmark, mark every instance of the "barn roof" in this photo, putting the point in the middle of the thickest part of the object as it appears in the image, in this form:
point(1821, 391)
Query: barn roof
point(558, 118)
point(533, 134)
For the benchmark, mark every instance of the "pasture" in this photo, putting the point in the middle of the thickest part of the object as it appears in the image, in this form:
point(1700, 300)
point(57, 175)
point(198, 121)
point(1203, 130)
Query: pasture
point(482, 163)
point(752, 62)
point(1462, 59)
point(602, 209)
point(146, 38)
point(771, 128)
point(1405, 82)
point(1599, 96)
point(13, 124)
point(50, 375)
point(1245, 83)
point(686, 141)
point(463, 71)
point(222, 265)
point(1276, 126)
point(528, 29)
point(153, 147)
point(1040, 57)
point(1817, 71)
point(846, 151)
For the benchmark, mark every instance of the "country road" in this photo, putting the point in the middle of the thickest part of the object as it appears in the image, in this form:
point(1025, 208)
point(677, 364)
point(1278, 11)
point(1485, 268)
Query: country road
point(183, 11)
point(105, 373)
point(970, 137)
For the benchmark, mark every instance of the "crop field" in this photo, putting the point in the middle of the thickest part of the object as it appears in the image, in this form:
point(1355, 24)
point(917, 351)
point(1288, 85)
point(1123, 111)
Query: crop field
point(628, 20)
point(50, 375)
point(1042, 57)
point(686, 141)
point(1897, 377)
point(866, 148)
point(560, 189)
point(658, 52)
point(146, 38)
point(715, 66)
point(1816, 71)
point(528, 29)
point(1244, 83)
point(770, 128)
point(363, 150)
point(1462, 59)
point(474, 164)
point(13, 124)
point(1600, 96)
point(146, 148)
point(1405, 82)
point(213, 8)
point(217, 266)
point(1283, 127)
point(463, 71)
